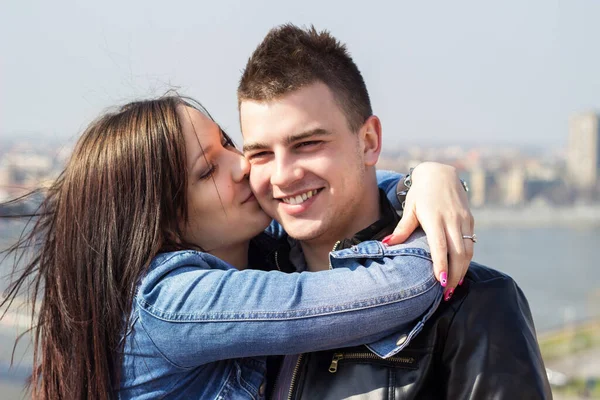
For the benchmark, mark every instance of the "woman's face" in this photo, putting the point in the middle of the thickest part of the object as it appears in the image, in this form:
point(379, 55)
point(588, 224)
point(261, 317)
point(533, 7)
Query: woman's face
point(222, 210)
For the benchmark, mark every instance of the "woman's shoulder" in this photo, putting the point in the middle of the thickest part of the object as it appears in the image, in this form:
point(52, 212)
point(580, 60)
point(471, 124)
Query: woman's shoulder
point(173, 275)
point(171, 267)
point(189, 258)
point(175, 257)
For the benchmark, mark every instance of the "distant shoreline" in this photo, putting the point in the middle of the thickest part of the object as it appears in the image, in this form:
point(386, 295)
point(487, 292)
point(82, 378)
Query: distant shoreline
point(528, 216)
point(579, 216)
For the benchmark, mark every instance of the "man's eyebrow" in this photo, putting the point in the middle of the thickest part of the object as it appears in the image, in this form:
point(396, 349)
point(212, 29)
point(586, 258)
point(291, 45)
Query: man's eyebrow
point(254, 146)
point(305, 135)
point(289, 139)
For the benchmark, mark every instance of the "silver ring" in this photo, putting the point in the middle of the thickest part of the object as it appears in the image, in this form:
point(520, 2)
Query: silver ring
point(473, 237)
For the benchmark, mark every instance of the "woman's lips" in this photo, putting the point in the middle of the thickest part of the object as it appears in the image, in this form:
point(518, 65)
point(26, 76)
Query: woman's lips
point(249, 198)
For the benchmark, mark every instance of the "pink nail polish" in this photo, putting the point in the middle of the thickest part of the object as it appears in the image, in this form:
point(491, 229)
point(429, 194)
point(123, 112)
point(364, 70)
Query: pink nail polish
point(449, 294)
point(386, 240)
point(444, 279)
point(461, 281)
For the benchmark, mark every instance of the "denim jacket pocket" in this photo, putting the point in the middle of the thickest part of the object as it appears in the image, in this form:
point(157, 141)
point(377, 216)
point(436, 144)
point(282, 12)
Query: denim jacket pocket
point(246, 380)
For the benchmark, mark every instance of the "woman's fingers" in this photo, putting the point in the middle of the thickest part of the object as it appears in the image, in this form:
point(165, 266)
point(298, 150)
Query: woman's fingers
point(436, 237)
point(405, 227)
point(460, 253)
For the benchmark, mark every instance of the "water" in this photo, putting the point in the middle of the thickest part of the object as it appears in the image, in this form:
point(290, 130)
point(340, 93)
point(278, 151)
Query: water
point(556, 268)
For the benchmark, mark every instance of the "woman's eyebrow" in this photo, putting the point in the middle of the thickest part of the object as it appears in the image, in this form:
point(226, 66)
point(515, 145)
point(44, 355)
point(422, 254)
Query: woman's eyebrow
point(202, 154)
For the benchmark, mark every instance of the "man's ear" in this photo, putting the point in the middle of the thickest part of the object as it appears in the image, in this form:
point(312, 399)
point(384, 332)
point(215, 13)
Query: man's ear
point(370, 135)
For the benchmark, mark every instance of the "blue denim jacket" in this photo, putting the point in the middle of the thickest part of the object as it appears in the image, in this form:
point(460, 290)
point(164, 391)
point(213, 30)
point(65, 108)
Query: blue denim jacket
point(201, 329)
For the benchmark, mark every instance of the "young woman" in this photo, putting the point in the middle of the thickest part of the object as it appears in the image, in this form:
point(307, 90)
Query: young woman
point(140, 266)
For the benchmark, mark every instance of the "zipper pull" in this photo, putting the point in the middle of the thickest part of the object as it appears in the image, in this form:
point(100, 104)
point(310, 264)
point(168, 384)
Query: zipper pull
point(334, 362)
point(334, 248)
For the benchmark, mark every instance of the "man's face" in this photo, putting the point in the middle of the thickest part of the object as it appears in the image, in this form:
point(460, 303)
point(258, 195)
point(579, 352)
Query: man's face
point(307, 167)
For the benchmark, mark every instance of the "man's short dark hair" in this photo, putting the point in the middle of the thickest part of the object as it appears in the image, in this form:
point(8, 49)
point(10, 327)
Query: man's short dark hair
point(290, 58)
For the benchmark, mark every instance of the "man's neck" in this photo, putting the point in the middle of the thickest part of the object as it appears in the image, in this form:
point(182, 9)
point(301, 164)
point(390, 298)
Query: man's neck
point(316, 251)
point(236, 255)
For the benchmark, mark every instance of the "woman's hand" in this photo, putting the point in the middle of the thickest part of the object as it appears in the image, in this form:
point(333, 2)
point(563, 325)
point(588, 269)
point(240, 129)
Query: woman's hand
point(438, 202)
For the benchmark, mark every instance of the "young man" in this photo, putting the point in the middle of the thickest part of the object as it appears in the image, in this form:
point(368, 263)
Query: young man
point(313, 142)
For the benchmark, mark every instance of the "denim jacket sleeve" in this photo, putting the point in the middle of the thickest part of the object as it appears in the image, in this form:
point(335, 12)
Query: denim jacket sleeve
point(197, 309)
point(386, 180)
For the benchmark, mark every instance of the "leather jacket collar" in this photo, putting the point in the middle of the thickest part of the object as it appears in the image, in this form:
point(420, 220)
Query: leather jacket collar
point(384, 226)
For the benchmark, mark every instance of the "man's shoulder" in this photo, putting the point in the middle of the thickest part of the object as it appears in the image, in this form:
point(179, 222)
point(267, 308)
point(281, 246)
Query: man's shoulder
point(488, 289)
point(488, 301)
point(480, 274)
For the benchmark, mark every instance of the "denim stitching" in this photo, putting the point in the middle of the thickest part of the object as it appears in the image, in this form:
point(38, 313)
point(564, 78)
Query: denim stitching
point(160, 351)
point(350, 253)
point(415, 330)
point(224, 389)
point(416, 291)
point(246, 386)
point(391, 298)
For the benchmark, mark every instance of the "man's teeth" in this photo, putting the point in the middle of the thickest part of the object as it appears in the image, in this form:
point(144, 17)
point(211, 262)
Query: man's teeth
point(299, 199)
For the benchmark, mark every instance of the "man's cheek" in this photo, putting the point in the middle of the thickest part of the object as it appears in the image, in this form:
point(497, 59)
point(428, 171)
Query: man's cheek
point(255, 179)
point(259, 182)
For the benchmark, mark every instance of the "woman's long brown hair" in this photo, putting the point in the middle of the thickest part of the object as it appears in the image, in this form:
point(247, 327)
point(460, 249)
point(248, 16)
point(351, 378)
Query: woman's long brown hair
point(118, 202)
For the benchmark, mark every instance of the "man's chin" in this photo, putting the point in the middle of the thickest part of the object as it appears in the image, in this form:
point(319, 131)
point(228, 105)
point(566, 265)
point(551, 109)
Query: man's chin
point(301, 230)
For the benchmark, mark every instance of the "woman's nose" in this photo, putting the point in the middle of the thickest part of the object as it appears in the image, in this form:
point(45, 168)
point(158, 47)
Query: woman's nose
point(242, 171)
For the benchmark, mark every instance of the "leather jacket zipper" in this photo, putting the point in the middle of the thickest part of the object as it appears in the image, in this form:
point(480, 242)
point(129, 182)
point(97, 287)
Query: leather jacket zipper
point(295, 376)
point(297, 366)
point(277, 261)
point(334, 247)
point(333, 367)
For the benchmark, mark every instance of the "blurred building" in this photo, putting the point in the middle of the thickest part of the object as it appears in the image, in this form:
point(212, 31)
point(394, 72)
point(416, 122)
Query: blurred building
point(5, 182)
point(478, 184)
point(484, 189)
point(5, 175)
point(23, 169)
point(583, 154)
point(513, 187)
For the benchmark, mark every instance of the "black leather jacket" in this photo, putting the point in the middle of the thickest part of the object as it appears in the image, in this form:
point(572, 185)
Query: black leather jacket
point(480, 345)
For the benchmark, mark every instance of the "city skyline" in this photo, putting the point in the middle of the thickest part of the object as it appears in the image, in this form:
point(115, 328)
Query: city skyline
point(460, 72)
point(505, 176)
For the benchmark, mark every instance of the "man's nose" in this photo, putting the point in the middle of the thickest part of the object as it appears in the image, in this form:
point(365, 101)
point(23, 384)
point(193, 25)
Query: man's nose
point(285, 172)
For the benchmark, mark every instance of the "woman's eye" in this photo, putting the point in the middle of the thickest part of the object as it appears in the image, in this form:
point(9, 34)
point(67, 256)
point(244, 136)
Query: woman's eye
point(207, 174)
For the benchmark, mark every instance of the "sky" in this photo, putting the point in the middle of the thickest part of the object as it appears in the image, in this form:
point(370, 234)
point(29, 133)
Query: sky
point(438, 72)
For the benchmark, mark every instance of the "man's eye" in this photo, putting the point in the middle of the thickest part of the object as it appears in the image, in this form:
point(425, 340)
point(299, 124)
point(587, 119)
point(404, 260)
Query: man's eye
point(309, 143)
point(258, 156)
